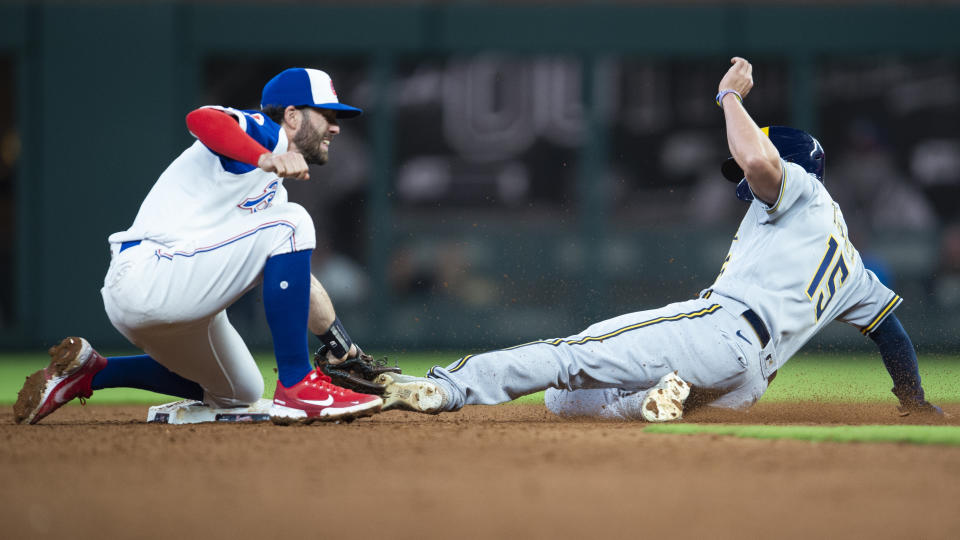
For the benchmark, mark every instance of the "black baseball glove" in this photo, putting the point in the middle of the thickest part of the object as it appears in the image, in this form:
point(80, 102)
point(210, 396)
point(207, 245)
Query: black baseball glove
point(355, 373)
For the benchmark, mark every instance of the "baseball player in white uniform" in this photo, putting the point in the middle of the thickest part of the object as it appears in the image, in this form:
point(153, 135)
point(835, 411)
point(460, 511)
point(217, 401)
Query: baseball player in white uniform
point(215, 224)
point(790, 270)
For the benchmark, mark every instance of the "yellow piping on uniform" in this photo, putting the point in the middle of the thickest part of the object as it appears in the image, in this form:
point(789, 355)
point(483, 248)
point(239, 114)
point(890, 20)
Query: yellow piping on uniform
point(783, 184)
point(878, 318)
point(461, 362)
point(557, 342)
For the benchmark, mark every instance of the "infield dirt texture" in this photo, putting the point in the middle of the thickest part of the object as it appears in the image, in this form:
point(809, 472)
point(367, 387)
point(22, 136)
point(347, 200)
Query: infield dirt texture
point(512, 471)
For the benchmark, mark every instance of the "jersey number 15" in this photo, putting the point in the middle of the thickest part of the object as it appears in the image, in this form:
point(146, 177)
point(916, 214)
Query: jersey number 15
point(838, 275)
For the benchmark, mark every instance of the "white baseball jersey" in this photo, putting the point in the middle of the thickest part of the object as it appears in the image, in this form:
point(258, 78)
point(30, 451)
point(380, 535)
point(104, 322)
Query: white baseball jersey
point(206, 229)
point(201, 190)
point(793, 264)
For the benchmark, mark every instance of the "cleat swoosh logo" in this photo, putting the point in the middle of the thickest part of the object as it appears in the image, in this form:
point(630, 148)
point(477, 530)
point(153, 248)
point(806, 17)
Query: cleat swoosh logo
point(60, 396)
point(744, 337)
point(322, 403)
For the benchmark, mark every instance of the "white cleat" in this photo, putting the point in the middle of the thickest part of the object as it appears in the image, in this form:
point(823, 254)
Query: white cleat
point(664, 402)
point(410, 393)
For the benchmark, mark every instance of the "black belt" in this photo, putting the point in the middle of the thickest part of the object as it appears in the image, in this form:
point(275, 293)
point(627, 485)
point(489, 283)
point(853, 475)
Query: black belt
point(130, 244)
point(758, 326)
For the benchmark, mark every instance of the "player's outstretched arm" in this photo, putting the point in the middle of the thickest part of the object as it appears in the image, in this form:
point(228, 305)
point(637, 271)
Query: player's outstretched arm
point(323, 323)
point(900, 359)
point(752, 150)
point(338, 356)
point(322, 313)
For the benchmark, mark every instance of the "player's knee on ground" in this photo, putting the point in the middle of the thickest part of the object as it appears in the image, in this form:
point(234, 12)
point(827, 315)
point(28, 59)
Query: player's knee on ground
point(567, 403)
point(244, 393)
point(303, 233)
point(606, 403)
point(556, 403)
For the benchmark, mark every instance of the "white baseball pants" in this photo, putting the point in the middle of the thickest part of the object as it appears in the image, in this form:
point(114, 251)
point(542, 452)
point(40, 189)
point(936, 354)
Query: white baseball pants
point(170, 300)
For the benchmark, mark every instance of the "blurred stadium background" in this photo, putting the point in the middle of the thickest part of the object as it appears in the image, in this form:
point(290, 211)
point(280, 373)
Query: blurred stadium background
point(521, 171)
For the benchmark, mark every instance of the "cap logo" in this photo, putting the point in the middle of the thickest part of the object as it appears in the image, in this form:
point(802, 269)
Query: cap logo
point(319, 82)
point(332, 89)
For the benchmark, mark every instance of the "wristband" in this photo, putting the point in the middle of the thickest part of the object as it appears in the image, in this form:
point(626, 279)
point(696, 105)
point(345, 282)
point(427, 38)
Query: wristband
point(336, 339)
point(723, 93)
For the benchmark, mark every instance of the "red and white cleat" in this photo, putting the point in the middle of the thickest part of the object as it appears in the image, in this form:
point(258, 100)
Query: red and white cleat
point(73, 363)
point(317, 398)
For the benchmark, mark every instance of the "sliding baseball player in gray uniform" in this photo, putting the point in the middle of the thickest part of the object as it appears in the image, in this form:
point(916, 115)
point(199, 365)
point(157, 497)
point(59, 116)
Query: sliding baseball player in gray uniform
point(791, 269)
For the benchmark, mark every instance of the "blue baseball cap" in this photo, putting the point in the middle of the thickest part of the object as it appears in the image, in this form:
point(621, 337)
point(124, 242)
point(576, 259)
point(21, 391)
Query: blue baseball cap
point(793, 145)
point(305, 87)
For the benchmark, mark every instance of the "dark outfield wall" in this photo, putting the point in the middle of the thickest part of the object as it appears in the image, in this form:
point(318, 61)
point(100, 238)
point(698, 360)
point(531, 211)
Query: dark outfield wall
point(102, 91)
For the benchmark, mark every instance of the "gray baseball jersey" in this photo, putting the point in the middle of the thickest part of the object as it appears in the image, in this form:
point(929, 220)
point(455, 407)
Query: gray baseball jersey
point(794, 265)
point(791, 269)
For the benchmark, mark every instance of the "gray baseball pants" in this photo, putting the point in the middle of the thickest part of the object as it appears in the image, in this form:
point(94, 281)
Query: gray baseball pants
point(606, 368)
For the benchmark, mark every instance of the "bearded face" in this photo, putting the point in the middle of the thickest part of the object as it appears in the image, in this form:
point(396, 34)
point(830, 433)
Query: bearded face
point(313, 138)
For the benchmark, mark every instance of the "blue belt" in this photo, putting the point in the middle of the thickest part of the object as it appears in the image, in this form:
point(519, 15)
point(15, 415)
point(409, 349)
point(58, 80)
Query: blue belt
point(130, 244)
point(758, 326)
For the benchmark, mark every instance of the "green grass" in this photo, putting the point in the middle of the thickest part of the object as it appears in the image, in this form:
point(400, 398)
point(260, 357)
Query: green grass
point(860, 378)
point(830, 378)
point(947, 435)
point(14, 368)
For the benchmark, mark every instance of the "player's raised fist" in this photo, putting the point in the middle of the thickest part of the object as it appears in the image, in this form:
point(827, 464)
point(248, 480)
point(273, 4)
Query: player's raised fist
point(286, 165)
point(739, 77)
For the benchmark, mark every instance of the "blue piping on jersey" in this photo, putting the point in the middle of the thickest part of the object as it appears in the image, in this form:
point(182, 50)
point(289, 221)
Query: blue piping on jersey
point(241, 236)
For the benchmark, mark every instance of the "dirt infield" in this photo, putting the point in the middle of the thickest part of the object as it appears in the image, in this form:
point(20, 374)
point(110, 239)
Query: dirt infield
point(486, 472)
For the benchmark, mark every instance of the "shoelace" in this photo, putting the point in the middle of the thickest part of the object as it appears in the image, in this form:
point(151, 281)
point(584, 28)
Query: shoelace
point(326, 383)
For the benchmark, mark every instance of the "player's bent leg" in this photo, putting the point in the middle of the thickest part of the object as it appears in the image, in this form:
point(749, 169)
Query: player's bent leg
point(73, 365)
point(749, 387)
point(302, 394)
point(743, 397)
point(664, 402)
point(209, 352)
point(286, 302)
point(244, 383)
point(298, 234)
point(632, 351)
point(606, 403)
